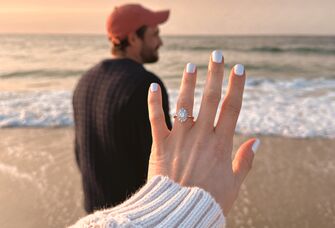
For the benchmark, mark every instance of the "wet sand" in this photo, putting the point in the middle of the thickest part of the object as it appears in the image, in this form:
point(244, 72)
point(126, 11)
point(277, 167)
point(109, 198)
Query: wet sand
point(291, 184)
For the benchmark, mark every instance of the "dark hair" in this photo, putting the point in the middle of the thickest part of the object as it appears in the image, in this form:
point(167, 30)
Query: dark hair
point(124, 43)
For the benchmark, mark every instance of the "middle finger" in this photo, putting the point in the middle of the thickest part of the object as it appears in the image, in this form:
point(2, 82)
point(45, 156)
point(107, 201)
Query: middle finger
point(212, 92)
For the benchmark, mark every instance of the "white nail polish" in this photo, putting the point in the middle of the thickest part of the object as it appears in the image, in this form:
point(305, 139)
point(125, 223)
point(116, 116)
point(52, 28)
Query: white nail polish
point(239, 69)
point(190, 68)
point(255, 145)
point(217, 56)
point(153, 87)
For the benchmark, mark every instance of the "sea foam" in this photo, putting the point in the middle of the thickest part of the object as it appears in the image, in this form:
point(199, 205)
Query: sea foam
point(36, 109)
point(296, 108)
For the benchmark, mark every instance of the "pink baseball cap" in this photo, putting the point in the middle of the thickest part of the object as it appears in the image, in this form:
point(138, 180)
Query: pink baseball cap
point(128, 18)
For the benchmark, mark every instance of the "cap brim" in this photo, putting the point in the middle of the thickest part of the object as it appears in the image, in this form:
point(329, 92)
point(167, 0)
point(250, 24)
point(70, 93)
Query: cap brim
point(160, 17)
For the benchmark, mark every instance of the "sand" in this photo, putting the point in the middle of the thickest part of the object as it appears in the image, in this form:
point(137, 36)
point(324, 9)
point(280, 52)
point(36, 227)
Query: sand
point(291, 184)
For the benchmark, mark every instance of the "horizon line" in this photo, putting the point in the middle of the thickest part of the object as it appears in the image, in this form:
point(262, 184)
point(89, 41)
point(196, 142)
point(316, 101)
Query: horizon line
point(169, 35)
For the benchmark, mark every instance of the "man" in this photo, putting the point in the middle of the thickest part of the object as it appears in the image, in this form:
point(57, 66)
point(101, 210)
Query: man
point(112, 128)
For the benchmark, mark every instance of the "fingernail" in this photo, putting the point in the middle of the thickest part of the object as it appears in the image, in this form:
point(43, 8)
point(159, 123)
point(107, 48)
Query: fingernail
point(239, 69)
point(153, 87)
point(190, 68)
point(255, 145)
point(217, 56)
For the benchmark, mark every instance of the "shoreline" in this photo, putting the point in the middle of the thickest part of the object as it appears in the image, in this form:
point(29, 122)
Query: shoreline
point(290, 185)
point(237, 134)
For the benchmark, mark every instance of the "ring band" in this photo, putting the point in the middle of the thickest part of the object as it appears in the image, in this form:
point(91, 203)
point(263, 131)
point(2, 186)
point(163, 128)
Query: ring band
point(182, 115)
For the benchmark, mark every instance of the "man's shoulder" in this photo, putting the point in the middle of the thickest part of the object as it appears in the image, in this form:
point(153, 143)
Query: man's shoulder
point(146, 79)
point(121, 72)
point(115, 65)
point(152, 77)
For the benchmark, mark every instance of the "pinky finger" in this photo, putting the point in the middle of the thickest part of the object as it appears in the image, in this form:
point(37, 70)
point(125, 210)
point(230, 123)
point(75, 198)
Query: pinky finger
point(156, 114)
point(243, 160)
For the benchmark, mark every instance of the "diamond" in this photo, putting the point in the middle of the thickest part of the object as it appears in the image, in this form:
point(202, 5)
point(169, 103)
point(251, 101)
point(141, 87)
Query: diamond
point(182, 115)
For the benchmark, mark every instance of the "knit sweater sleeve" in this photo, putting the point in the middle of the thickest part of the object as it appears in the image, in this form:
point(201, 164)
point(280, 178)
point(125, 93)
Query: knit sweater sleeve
point(160, 203)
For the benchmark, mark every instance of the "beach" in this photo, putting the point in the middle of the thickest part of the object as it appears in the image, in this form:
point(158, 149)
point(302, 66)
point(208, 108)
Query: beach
point(288, 102)
point(291, 183)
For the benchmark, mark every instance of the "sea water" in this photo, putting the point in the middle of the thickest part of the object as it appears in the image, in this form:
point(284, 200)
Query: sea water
point(290, 87)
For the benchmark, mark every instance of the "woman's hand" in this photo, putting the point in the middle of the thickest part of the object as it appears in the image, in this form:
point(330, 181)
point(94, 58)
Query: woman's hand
point(197, 153)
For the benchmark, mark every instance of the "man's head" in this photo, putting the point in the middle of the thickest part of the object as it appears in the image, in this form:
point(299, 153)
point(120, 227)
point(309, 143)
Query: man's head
point(133, 31)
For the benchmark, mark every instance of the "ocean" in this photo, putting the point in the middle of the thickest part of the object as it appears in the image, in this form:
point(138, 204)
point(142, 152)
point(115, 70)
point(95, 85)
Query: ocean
point(290, 90)
point(289, 103)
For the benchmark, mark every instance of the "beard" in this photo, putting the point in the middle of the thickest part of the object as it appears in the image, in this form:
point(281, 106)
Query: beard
point(149, 55)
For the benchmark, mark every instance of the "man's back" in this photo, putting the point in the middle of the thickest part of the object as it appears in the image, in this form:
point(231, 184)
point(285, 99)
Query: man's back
point(113, 134)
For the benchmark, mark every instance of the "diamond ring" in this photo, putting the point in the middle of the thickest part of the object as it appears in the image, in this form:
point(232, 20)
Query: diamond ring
point(182, 115)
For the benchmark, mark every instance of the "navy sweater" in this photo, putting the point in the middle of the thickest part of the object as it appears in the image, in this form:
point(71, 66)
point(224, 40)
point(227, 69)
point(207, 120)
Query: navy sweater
point(112, 130)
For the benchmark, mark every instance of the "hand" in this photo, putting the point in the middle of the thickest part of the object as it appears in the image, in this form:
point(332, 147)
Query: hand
point(197, 153)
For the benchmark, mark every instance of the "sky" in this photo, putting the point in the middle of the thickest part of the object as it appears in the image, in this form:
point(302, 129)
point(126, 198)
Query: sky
point(188, 17)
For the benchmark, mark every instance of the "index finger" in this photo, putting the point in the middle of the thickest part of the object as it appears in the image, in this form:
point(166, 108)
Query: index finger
point(156, 114)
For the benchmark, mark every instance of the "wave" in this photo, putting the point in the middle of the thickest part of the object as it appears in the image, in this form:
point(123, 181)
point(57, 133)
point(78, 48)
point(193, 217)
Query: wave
point(298, 50)
point(297, 108)
point(262, 49)
point(41, 73)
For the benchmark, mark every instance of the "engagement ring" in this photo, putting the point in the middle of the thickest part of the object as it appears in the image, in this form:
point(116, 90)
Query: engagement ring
point(182, 115)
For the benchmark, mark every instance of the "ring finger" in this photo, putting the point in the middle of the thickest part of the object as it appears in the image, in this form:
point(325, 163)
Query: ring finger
point(184, 110)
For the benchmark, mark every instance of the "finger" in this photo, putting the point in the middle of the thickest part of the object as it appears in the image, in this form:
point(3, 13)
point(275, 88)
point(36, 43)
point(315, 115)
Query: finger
point(156, 114)
point(232, 103)
point(212, 92)
point(244, 157)
point(186, 97)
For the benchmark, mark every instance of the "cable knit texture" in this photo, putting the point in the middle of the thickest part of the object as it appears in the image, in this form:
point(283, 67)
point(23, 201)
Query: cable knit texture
point(160, 203)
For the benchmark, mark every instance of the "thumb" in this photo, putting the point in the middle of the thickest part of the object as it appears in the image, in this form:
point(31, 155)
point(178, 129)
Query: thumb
point(243, 159)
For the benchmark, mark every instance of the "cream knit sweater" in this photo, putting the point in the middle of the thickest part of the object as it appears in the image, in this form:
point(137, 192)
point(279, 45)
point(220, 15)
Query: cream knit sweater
point(160, 203)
